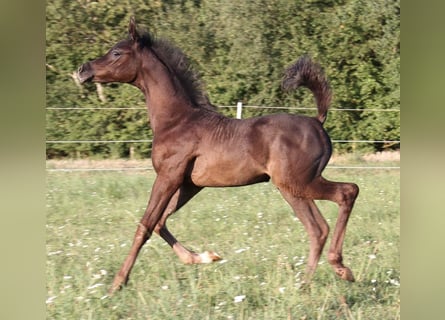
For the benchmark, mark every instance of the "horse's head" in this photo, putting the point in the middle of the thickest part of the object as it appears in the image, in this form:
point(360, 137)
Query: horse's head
point(153, 65)
point(120, 64)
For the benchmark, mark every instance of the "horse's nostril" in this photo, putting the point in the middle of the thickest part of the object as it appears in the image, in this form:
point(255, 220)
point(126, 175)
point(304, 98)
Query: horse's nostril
point(84, 73)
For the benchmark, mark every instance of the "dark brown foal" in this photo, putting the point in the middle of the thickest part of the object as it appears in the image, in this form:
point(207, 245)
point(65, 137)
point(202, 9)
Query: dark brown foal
point(196, 147)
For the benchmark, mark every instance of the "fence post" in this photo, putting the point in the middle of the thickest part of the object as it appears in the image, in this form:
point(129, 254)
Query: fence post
point(239, 109)
point(132, 152)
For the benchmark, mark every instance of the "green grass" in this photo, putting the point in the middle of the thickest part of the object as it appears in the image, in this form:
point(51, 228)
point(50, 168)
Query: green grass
point(91, 219)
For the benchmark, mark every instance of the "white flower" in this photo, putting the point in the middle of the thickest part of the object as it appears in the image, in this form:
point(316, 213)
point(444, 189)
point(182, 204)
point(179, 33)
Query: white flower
point(394, 282)
point(50, 299)
point(95, 286)
point(239, 298)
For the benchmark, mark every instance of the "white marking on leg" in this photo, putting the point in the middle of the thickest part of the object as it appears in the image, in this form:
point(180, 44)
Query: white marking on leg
point(208, 257)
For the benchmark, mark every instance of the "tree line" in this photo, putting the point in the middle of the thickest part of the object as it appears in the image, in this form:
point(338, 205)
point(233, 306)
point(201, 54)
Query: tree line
point(240, 49)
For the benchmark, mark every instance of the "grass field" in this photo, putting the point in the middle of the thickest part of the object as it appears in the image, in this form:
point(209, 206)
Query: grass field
point(92, 216)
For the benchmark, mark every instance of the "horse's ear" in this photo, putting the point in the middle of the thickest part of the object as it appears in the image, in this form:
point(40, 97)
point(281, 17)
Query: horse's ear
point(132, 30)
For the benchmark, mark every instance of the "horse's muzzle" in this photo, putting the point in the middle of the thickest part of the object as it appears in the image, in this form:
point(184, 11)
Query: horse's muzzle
point(85, 73)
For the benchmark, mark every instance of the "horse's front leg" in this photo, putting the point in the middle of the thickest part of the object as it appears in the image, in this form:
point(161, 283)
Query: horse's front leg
point(185, 255)
point(162, 191)
point(180, 198)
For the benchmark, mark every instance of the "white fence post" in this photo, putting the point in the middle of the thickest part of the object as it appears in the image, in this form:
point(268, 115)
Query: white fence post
point(239, 109)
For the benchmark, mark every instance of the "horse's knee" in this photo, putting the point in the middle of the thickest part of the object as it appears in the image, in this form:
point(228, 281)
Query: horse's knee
point(324, 232)
point(349, 194)
point(353, 191)
point(318, 238)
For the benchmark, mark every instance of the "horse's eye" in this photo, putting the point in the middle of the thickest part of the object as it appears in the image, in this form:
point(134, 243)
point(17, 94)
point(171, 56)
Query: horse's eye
point(115, 53)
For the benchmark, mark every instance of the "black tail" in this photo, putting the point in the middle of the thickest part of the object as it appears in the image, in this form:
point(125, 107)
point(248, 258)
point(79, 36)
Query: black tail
point(309, 74)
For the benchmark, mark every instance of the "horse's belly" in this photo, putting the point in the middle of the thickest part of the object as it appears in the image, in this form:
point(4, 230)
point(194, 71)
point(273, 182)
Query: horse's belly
point(222, 173)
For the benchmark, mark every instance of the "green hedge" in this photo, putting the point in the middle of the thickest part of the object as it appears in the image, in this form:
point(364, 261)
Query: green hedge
point(240, 49)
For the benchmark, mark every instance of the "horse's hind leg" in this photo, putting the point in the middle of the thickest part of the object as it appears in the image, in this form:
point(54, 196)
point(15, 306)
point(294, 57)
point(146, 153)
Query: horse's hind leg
point(344, 194)
point(180, 198)
point(316, 227)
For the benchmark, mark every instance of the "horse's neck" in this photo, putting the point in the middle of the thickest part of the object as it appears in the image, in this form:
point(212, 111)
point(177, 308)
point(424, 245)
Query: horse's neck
point(166, 102)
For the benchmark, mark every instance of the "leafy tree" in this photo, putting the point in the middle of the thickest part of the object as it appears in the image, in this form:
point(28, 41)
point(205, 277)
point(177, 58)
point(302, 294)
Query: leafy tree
point(241, 49)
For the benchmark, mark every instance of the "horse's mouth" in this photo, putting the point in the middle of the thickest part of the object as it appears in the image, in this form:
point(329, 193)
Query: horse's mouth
point(83, 79)
point(85, 74)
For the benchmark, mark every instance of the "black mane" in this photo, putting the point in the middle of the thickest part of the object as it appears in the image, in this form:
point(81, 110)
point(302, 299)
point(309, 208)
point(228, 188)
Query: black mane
point(180, 68)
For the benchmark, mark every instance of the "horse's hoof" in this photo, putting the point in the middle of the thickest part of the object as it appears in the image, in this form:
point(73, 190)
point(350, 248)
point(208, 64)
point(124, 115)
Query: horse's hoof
point(346, 274)
point(117, 285)
point(209, 257)
point(113, 289)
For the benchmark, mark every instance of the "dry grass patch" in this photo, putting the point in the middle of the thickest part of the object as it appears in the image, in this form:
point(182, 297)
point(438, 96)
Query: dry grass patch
point(379, 157)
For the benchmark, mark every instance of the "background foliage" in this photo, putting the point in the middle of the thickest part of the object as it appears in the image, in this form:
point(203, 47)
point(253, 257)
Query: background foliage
point(240, 49)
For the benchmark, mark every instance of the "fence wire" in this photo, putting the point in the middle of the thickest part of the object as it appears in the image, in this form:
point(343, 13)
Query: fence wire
point(150, 168)
point(221, 107)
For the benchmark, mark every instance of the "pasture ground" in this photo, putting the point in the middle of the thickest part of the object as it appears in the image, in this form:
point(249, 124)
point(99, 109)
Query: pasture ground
point(92, 216)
